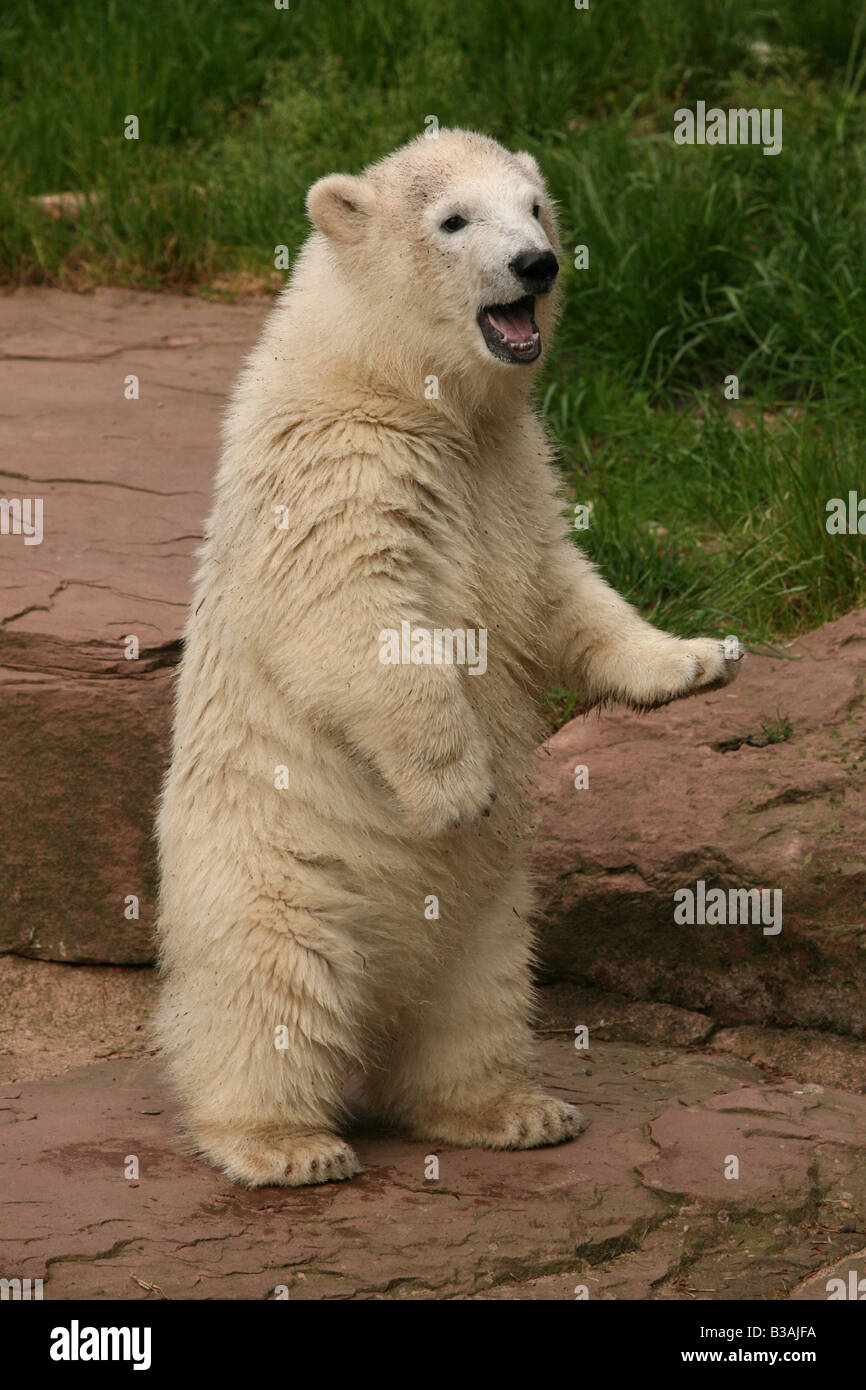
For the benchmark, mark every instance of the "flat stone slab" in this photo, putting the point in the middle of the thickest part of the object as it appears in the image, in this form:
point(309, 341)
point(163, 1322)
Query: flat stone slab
point(637, 1208)
point(125, 487)
point(54, 1018)
point(125, 482)
point(822, 1057)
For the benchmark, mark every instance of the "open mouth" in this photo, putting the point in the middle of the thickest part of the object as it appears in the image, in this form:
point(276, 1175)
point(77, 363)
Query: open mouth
point(510, 331)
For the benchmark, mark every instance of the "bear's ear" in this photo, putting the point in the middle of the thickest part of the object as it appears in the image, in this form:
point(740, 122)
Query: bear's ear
point(339, 206)
point(525, 159)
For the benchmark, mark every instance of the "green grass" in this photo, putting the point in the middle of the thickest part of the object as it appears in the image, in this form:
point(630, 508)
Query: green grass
point(704, 262)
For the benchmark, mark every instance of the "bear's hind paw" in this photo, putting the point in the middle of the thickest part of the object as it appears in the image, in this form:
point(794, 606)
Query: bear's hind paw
point(280, 1160)
point(526, 1120)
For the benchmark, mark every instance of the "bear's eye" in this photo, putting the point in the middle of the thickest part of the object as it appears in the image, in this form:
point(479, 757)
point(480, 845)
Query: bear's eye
point(535, 209)
point(453, 224)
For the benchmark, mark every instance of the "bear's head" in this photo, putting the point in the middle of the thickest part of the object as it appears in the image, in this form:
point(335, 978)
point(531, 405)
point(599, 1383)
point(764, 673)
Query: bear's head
point(451, 242)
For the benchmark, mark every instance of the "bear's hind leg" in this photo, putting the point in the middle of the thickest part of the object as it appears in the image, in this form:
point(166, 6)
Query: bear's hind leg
point(258, 1054)
point(458, 1070)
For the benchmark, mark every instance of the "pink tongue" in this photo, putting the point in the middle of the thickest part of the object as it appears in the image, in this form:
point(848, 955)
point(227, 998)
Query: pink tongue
point(516, 325)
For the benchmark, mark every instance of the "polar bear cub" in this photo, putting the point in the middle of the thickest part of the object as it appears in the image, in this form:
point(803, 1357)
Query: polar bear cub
point(342, 831)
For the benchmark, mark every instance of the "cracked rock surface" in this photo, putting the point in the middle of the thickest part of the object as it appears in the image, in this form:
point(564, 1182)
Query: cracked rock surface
point(639, 1207)
point(125, 483)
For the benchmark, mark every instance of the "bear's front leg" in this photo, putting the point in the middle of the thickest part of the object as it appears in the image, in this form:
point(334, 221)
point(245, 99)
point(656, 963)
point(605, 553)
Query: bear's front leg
point(604, 647)
point(440, 771)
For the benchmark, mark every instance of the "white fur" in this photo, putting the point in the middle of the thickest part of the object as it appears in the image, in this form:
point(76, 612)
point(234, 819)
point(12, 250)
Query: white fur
point(304, 908)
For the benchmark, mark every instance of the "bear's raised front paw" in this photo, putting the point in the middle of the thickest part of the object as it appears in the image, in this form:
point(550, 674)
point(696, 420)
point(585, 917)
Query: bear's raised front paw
point(525, 1120)
point(671, 668)
point(712, 668)
point(279, 1160)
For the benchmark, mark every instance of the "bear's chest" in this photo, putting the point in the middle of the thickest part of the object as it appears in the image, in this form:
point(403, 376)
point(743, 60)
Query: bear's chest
point(494, 570)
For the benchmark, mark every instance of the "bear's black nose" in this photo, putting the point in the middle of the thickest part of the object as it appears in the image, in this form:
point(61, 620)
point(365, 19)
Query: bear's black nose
point(536, 270)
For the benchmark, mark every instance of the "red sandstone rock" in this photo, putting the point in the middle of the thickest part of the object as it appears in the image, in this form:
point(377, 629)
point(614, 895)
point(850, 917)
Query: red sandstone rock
point(680, 795)
point(125, 487)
